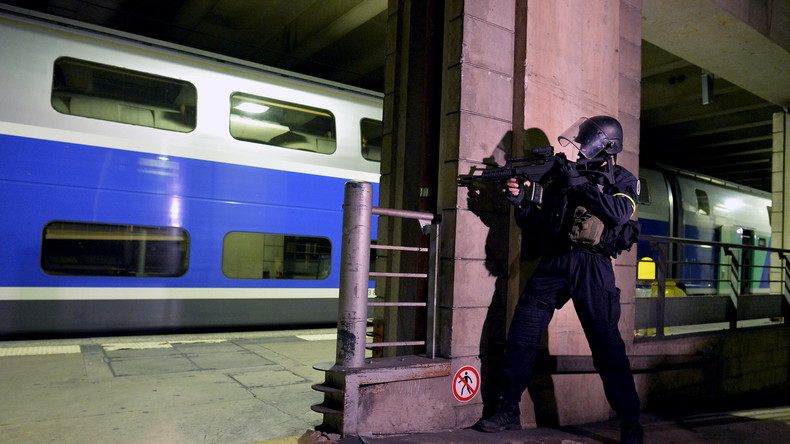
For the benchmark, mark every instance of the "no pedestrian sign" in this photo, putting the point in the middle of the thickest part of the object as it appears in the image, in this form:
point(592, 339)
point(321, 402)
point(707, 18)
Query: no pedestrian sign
point(466, 383)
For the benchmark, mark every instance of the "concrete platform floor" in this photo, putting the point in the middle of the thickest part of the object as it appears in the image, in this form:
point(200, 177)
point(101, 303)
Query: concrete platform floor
point(212, 388)
point(249, 388)
point(764, 426)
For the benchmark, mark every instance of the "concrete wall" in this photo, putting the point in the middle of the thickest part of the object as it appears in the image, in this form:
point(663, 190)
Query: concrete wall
point(576, 64)
point(734, 370)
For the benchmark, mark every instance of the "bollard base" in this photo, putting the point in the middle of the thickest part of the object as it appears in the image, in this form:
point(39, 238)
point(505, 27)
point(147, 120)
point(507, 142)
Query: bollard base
point(346, 390)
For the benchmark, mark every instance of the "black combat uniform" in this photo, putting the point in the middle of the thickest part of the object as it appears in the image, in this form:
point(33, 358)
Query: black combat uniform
point(581, 272)
point(579, 222)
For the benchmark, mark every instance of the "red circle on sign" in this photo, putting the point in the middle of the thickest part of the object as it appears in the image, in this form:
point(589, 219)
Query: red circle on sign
point(466, 383)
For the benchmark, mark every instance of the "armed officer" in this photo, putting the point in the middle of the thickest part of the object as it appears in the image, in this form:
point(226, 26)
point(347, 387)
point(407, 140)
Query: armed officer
point(582, 222)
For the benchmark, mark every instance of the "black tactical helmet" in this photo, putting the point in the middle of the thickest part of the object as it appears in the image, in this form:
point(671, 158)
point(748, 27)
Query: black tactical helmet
point(598, 136)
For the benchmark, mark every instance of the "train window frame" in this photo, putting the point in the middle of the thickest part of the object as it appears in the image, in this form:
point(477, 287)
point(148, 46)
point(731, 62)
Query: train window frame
point(76, 248)
point(371, 131)
point(264, 257)
point(703, 202)
point(643, 191)
point(283, 124)
point(94, 90)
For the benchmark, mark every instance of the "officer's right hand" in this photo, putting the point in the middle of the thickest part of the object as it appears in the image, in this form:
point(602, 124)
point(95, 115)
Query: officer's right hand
point(515, 188)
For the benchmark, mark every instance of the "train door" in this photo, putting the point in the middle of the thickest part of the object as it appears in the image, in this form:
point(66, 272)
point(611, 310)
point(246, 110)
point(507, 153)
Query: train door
point(656, 218)
point(762, 261)
point(749, 274)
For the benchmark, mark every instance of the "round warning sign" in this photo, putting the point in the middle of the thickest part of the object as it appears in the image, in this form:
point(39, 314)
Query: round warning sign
point(466, 383)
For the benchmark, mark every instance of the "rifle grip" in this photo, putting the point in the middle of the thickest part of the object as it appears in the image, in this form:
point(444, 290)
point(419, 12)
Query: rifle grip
point(518, 198)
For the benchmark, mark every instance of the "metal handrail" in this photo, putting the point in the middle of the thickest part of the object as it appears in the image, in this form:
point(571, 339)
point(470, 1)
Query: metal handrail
point(734, 280)
point(355, 274)
point(681, 240)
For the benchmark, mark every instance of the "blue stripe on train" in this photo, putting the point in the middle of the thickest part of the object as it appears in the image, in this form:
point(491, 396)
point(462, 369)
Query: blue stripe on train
point(58, 163)
point(45, 181)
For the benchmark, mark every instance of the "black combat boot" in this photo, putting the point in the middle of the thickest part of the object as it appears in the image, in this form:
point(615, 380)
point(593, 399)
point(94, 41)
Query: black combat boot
point(631, 433)
point(507, 417)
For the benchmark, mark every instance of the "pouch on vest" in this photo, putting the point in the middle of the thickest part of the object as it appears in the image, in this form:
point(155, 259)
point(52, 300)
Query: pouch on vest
point(629, 235)
point(586, 229)
point(620, 238)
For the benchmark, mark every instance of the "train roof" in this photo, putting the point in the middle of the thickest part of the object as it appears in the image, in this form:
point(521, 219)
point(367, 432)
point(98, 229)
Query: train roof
point(713, 180)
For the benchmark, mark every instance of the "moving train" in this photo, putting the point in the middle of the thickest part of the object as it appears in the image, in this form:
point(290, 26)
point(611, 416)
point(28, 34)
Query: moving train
point(683, 204)
point(146, 187)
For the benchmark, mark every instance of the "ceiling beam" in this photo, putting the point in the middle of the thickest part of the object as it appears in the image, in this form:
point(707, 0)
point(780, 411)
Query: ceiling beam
point(710, 37)
point(354, 18)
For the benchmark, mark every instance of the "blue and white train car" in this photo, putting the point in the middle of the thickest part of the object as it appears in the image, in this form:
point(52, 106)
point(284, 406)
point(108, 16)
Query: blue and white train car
point(683, 204)
point(145, 187)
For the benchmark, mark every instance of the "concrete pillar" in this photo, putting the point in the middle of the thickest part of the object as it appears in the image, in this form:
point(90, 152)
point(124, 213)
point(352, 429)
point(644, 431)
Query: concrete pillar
point(408, 179)
point(477, 124)
point(511, 74)
point(582, 58)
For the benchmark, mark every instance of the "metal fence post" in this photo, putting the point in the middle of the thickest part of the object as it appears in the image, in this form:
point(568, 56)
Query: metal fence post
point(433, 290)
point(354, 274)
point(735, 287)
point(662, 268)
point(785, 288)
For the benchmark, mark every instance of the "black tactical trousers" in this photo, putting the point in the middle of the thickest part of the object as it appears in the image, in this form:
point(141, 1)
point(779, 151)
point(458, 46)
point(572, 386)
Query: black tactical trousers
point(588, 279)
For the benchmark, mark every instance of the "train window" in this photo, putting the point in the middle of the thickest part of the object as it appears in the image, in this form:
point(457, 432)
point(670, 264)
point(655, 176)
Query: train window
point(371, 139)
point(92, 249)
point(248, 255)
point(703, 204)
point(88, 89)
point(644, 192)
point(283, 124)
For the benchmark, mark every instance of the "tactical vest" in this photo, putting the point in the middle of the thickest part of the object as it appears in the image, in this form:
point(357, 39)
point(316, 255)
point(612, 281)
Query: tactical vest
point(562, 224)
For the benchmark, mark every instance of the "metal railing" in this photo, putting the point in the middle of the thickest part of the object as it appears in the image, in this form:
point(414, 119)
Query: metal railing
point(724, 291)
point(355, 275)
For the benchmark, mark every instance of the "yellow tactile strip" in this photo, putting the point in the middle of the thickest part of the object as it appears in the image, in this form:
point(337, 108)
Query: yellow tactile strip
point(150, 345)
point(40, 350)
point(68, 349)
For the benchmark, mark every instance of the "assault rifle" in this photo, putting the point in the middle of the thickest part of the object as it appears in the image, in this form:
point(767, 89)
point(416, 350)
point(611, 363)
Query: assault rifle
point(537, 170)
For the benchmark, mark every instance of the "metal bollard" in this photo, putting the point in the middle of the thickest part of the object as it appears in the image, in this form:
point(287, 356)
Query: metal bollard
point(354, 274)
